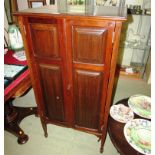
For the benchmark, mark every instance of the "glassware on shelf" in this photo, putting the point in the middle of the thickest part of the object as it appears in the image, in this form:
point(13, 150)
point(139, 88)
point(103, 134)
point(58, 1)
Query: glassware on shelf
point(117, 3)
point(135, 9)
point(134, 40)
point(141, 46)
point(62, 6)
point(89, 6)
point(76, 6)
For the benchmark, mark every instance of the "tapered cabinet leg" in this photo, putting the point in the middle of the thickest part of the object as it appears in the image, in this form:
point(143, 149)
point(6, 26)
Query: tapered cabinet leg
point(102, 144)
point(101, 149)
point(44, 125)
point(103, 137)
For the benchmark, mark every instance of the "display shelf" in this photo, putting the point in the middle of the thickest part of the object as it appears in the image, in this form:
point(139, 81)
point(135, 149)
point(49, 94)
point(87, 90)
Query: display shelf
point(130, 14)
point(133, 12)
point(141, 46)
point(121, 71)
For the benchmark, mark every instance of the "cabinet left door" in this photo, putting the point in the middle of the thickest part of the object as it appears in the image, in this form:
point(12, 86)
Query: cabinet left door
point(45, 43)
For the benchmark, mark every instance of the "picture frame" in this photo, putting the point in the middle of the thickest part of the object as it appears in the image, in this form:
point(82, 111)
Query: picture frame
point(36, 3)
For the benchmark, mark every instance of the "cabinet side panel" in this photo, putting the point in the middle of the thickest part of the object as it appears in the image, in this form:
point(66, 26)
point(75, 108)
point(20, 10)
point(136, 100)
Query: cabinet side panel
point(87, 94)
point(52, 91)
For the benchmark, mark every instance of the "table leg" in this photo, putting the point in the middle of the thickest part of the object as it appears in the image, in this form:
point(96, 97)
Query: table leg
point(12, 118)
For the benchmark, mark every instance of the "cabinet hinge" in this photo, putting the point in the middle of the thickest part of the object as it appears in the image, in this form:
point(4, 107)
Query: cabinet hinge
point(113, 37)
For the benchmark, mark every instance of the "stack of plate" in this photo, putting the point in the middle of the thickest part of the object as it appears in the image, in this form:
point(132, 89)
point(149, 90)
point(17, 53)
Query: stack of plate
point(136, 131)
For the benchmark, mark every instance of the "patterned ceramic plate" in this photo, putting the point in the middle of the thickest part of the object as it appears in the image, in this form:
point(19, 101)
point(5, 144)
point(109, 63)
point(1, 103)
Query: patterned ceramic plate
point(141, 105)
point(121, 113)
point(138, 134)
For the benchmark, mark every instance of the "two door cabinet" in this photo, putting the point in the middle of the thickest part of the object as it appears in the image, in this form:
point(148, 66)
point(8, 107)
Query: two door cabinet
point(72, 61)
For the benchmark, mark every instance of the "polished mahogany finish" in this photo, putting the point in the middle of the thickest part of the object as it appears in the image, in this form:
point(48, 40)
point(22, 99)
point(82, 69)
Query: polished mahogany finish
point(87, 96)
point(72, 59)
point(51, 81)
point(48, 33)
point(86, 41)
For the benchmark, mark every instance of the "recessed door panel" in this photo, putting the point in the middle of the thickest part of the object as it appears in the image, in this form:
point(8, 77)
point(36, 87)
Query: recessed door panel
point(89, 44)
point(51, 80)
point(87, 95)
point(45, 40)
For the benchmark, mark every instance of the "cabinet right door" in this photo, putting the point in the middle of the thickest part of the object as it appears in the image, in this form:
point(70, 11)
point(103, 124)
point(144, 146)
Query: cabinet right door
point(89, 49)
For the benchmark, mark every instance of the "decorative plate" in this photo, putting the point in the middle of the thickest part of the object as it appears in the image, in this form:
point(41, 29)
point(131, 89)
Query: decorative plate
point(121, 113)
point(138, 134)
point(141, 105)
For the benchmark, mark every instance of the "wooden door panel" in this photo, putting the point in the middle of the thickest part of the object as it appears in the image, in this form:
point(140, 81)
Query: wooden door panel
point(89, 44)
point(91, 50)
point(45, 40)
point(51, 80)
point(87, 95)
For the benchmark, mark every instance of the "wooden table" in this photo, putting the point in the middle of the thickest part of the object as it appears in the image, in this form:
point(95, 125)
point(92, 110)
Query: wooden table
point(19, 87)
point(115, 130)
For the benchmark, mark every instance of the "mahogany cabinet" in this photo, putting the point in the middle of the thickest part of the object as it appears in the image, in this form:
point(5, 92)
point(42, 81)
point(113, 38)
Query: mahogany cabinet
point(72, 60)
